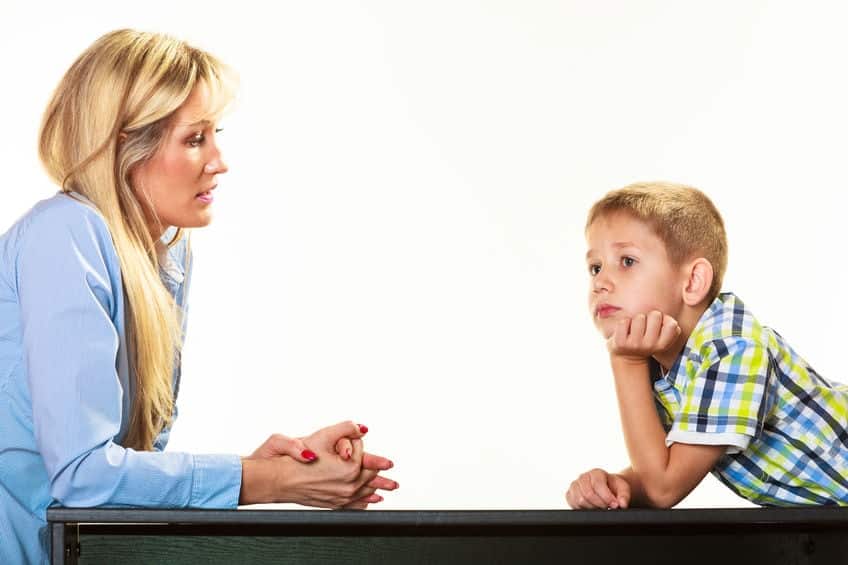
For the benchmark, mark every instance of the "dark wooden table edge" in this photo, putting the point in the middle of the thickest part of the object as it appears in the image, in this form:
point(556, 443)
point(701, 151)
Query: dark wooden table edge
point(809, 516)
point(66, 525)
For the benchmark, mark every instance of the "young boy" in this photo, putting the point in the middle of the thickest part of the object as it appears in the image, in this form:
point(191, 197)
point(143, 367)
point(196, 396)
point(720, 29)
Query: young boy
point(702, 386)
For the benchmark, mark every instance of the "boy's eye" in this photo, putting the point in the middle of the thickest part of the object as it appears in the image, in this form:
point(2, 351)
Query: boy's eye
point(628, 261)
point(594, 269)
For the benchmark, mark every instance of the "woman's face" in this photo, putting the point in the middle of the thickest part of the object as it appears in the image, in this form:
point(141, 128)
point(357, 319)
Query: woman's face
point(178, 182)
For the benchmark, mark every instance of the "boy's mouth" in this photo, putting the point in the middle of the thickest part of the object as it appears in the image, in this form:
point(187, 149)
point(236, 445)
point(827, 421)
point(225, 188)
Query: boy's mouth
point(606, 310)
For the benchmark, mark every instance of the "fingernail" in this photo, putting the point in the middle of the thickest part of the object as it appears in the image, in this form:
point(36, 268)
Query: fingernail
point(379, 498)
point(308, 454)
point(391, 464)
point(363, 428)
point(397, 484)
point(347, 454)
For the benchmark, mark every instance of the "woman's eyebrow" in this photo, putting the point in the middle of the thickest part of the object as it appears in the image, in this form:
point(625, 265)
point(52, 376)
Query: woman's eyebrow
point(203, 123)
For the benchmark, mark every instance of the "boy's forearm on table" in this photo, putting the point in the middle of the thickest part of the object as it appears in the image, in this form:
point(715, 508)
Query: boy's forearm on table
point(644, 437)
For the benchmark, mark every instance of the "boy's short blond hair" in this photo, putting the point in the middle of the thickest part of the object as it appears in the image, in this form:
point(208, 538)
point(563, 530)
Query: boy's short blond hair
point(682, 217)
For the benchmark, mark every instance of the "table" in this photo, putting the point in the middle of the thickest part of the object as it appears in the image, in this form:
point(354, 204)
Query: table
point(772, 536)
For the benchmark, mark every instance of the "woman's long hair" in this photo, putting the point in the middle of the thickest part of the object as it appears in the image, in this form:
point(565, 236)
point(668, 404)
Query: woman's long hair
point(109, 114)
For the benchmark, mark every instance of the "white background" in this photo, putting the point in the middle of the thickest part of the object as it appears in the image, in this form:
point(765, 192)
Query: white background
point(400, 238)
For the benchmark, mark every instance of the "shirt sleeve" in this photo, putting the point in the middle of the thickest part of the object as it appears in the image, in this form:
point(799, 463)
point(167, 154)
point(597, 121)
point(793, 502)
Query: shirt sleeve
point(723, 402)
point(70, 295)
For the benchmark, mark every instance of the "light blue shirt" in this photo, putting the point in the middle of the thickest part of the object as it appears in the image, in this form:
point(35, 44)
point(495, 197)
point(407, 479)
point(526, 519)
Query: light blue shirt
point(66, 389)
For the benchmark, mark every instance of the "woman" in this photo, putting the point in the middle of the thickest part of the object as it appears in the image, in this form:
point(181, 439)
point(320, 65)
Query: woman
point(93, 289)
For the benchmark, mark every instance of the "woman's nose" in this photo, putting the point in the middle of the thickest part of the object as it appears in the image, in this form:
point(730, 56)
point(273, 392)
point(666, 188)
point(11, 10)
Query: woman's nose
point(215, 166)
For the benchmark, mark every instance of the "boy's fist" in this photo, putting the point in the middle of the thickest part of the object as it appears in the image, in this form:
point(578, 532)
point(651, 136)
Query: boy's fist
point(643, 335)
point(598, 489)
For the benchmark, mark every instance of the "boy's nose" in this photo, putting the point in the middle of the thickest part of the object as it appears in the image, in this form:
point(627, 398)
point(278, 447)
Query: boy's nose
point(601, 283)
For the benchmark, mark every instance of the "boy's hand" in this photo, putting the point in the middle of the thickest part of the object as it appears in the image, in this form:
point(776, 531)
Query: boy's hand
point(598, 489)
point(643, 335)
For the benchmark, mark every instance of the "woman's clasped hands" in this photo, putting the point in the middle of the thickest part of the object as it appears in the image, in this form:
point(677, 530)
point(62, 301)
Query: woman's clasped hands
point(328, 469)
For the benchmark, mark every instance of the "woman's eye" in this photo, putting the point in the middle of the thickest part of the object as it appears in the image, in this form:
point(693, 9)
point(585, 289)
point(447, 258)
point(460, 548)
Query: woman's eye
point(594, 269)
point(196, 140)
point(628, 261)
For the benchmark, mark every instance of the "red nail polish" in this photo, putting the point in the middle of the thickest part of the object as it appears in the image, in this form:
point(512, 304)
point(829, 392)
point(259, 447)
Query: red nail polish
point(363, 428)
point(308, 454)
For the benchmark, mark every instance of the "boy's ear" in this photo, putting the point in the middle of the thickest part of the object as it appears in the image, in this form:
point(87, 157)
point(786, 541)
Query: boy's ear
point(698, 282)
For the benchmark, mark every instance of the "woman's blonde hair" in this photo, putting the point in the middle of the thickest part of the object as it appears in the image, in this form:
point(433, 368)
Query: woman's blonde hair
point(684, 218)
point(109, 114)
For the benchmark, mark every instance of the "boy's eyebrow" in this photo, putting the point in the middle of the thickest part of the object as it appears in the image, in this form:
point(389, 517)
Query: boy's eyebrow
point(617, 245)
point(620, 244)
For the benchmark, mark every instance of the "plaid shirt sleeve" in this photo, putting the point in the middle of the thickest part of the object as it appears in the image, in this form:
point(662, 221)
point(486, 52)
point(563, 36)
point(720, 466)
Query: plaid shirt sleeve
point(722, 402)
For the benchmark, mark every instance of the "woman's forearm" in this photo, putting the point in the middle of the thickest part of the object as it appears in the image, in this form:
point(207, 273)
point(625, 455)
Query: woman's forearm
point(258, 477)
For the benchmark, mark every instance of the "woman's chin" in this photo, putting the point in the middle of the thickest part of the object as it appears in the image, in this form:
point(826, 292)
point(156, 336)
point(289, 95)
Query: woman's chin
point(196, 220)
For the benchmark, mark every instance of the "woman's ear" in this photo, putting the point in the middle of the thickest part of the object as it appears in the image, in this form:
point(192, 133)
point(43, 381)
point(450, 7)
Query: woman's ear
point(699, 279)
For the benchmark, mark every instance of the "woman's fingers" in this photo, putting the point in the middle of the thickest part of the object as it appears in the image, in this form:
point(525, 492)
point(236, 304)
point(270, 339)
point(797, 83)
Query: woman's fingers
point(332, 434)
point(348, 480)
point(376, 462)
point(383, 483)
point(278, 445)
point(363, 503)
point(362, 492)
point(344, 448)
point(358, 450)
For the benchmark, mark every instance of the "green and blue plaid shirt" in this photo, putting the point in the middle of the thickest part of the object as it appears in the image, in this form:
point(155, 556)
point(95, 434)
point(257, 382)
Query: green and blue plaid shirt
point(738, 383)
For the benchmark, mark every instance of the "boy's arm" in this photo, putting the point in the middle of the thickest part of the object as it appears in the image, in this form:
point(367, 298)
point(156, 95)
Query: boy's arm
point(659, 476)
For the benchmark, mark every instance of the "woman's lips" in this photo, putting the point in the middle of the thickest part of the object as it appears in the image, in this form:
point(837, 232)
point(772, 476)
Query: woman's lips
point(606, 310)
point(206, 197)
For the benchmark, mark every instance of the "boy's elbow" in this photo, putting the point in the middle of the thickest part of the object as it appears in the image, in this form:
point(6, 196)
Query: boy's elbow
point(663, 496)
point(663, 501)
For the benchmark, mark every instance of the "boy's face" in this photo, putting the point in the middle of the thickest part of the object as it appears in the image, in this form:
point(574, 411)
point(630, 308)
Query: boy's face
point(630, 272)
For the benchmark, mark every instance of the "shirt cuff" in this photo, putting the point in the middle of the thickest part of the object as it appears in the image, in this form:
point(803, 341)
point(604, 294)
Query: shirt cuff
point(216, 481)
point(734, 442)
